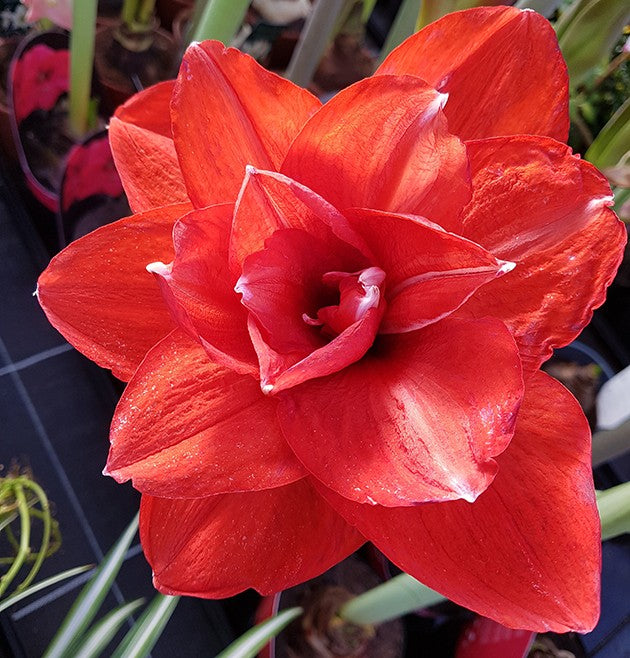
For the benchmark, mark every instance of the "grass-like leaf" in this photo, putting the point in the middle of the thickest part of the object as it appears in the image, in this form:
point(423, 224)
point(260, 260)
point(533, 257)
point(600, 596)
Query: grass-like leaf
point(249, 644)
point(146, 631)
point(91, 598)
point(49, 582)
point(102, 633)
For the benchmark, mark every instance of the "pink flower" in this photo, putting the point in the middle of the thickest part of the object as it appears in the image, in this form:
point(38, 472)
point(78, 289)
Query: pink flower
point(57, 11)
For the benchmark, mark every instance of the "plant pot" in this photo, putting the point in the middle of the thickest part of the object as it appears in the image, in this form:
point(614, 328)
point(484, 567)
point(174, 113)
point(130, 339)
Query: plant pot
point(320, 597)
point(167, 10)
point(8, 46)
point(37, 95)
point(91, 190)
point(127, 62)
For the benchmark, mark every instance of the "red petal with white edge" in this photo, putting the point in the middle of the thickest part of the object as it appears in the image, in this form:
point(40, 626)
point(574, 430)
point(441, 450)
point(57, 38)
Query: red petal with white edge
point(98, 294)
point(419, 418)
point(187, 427)
point(430, 272)
point(144, 152)
point(501, 67)
point(546, 210)
point(269, 202)
point(383, 143)
point(199, 289)
point(526, 552)
point(229, 112)
point(219, 546)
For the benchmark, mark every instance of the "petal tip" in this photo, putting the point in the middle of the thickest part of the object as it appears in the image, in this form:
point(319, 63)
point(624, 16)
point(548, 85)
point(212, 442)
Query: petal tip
point(505, 267)
point(158, 268)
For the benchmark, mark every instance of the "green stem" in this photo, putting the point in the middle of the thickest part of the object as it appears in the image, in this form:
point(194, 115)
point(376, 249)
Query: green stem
point(398, 596)
point(129, 12)
point(402, 27)
point(25, 538)
point(145, 12)
point(313, 41)
point(614, 510)
point(220, 20)
point(81, 63)
point(46, 520)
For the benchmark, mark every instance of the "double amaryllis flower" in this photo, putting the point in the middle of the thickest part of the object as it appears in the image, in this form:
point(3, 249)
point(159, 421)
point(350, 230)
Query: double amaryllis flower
point(344, 343)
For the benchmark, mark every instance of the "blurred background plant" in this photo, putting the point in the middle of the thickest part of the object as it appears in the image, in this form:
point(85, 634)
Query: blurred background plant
point(29, 533)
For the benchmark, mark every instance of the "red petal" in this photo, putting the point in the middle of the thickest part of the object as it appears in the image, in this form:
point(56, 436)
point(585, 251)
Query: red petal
point(219, 546)
point(430, 273)
point(383, 143)
point(546, 210)
point(269, 202)
point(527, 552)
point(501, 67)
point(229, 112)
point(199, 289)
point(98, 294)
point(188, 427)
point(144, 152)
point(419, 418)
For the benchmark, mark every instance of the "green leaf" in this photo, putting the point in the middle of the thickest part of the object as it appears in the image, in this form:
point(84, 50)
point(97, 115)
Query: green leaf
point(249, 644)
point(91, 597)
point(147, 630)
point(394, 598)
point(102, 633)
point(543, 7)
point(614, 510)
point(53, 580)
point(590, 35)
point(368, 8)
point(613, 141)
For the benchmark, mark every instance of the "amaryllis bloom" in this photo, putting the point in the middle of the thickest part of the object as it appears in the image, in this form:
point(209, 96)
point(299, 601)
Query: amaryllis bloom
point(339, 335)
point(57, 11)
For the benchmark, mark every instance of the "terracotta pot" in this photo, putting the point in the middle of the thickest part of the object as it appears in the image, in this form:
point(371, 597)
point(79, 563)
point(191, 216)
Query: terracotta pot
point(91, 190)
point(127, 62)
point(318, 597)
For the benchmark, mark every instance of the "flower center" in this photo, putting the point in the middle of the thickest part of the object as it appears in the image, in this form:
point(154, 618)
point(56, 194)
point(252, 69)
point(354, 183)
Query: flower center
point(358, 293)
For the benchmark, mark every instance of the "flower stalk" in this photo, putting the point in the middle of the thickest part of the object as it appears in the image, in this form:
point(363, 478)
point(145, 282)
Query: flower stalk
point(614, 510)
point(220, 19)
point(81, 64)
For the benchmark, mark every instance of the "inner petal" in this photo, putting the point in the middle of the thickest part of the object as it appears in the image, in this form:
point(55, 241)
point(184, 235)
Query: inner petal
point(312, 312)
point(358, 293)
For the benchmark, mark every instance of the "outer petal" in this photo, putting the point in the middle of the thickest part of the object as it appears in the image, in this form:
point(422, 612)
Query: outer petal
point(546, 210)
point(199, 289)
point(419, 418)
point(187, 427)
point(527, 552)
point(383, 143)
point(219, 546)
point(430, 272)
point(143, 149)
point(501, 67)
point(229, 112)
point(98, 294)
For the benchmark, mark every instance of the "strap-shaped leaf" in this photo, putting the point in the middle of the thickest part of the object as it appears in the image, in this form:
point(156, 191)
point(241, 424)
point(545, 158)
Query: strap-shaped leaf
point(147, 630)
point(53, 580)
point(103, 632)
point(91, 597)
point(249, 644)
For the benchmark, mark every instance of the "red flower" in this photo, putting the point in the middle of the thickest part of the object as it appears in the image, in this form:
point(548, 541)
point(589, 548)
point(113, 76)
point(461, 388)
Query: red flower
point(40, 78)
point(391, 270)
